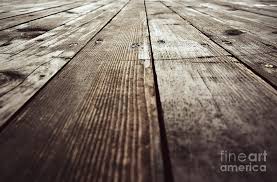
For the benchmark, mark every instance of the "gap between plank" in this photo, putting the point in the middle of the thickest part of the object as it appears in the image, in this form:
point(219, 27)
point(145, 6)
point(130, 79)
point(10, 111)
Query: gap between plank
point(248, 67)
point(168, 174)
point(44, 16)
point(37, 11)
point(5, 124)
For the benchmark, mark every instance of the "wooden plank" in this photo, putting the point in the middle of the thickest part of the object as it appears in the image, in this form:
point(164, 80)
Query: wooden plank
point(16, 9)
point(108, 131)
point(237, 42)
point(20, 34)
point(259, 27)
point(265, 20)
point(265, 63)
point(170, 41)
point(13, 21)
point(35, 70)
point(262, 8)
point(211, 105)
point(236, 13)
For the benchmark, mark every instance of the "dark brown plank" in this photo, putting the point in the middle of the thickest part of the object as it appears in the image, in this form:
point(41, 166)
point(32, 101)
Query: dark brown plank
point(97, 119)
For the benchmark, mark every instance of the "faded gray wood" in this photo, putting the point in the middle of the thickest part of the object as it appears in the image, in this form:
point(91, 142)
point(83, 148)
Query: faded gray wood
point(170, 41)
point(257, 25)
point(209, 105)
point(13, 9)
point(41, 62)
point(20, 34)
point(258, 7)
point(215, 104)
point(237, 42)
point(108, 130)
point(88, 105)
point(13, 21)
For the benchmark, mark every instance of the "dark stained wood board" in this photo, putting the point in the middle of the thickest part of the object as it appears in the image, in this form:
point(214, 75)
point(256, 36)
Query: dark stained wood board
point(139, 90)
point(119, 143)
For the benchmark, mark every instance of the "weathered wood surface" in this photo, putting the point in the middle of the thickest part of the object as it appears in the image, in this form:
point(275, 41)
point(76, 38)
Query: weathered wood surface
point(236, 41)
point(209, 104)
point(139, 90)
point(22, 79)
point(109, 130)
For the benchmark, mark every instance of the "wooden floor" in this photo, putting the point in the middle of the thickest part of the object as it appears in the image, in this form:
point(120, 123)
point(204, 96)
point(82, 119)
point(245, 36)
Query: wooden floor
point(136, 90)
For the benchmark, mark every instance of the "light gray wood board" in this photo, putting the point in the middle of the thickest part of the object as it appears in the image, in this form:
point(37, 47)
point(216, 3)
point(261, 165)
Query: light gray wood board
point(238, 43)
point(24, 8)
point(236, 13)
point(22, 79)
point(215, 104)
point(234, 19)
point(20, 34)
point(174, 38)
point(265, 20)
point(13, 21)
point(60, 37)
point(253, 7)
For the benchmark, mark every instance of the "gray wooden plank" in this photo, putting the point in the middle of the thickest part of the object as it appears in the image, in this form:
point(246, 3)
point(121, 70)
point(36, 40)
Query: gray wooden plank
point(263, 28)
point(169, 39)
point(237, 42)
point(16, 9)
point(211, 104)
point(20, 34)
point(257, 7)
point(265, 20)
point(36, 70)
point(265, 63)
point(215, 104)
point(13, 21)
point(108, 131)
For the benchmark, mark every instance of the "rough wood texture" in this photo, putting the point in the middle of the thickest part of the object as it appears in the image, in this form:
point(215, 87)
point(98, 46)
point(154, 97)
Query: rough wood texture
point(214, 104)
point(22, 79)
point(109, 130)
point(136, 90)
point(210, 104)
point(236, 41)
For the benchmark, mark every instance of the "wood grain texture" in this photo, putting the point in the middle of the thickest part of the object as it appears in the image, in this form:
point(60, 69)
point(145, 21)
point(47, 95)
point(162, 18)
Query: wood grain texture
point(13, 8)
point(41, 62)
point(170, 41)
point(253, 6)
point(108, 130)
point(261, 27)
point(22, 34)
point(212, 104)
point(136, 90)
point(13, 21)
point(215, 104)
point(236, 41)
